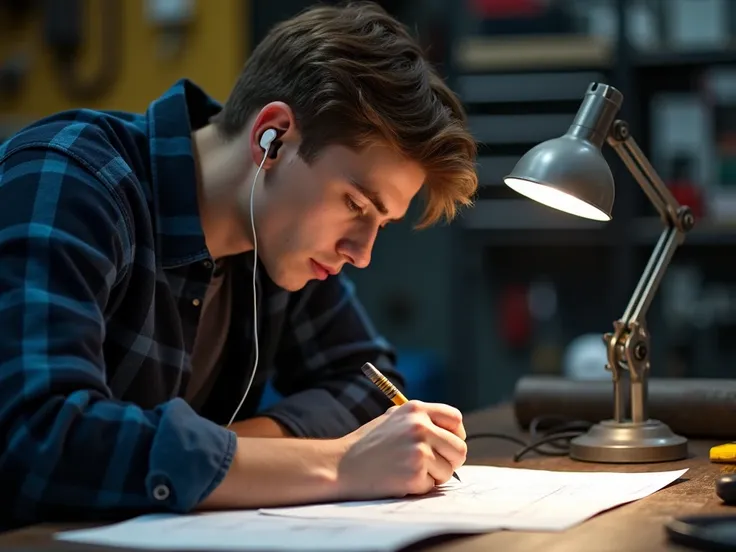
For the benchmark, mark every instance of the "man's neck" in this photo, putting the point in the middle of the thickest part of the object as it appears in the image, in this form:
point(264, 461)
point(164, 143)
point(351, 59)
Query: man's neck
point(222, 172)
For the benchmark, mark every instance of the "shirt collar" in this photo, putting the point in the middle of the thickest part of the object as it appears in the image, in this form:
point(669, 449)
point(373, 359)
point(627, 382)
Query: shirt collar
point(171, 119)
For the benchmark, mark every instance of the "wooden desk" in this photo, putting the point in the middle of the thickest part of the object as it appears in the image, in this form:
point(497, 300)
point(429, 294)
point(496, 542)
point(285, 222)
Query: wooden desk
point(634, 527)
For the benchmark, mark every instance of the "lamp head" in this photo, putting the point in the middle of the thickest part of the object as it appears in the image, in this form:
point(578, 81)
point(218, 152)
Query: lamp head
point(569, 173)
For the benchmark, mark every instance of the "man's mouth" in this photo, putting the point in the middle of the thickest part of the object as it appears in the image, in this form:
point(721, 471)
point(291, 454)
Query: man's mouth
point(320, 270)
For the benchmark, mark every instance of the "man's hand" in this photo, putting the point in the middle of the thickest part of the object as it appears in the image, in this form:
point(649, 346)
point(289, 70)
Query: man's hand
point(260, 426)
point(407, 450)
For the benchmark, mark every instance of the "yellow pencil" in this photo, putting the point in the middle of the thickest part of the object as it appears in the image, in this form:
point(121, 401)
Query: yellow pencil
point(388, 388)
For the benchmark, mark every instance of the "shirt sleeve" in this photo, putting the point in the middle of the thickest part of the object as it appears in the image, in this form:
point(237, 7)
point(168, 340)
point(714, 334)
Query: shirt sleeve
point(318, 367)
point(70, 448)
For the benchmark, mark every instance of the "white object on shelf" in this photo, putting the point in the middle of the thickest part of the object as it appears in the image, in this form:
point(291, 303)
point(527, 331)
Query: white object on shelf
point(697, 24)
point(681, 123)
point(585, 358)
point(601, 20)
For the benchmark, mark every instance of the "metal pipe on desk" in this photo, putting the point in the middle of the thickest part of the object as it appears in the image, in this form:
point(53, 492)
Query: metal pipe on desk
point(695, 408)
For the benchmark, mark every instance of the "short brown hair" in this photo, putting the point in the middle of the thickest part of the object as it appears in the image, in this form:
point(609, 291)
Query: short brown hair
point(354, 76)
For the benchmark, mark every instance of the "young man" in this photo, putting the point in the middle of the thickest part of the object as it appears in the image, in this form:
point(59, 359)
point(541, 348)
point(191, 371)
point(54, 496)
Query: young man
point(128, 290)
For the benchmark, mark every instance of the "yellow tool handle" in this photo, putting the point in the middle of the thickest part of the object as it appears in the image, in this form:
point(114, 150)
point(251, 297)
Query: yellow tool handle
point(723, 453)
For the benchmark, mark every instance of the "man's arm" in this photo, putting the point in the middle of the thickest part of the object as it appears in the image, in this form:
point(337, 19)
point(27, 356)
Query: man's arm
point(71, 450)
point(260, 426)
point(407, 450)
point(69, 447)
point(328, 338)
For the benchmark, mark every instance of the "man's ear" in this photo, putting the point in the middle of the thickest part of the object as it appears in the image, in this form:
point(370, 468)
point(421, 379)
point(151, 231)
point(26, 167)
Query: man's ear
point(275, 116)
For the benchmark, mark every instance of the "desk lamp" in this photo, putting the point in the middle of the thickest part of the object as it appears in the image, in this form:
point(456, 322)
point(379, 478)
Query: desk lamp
point(570, 174)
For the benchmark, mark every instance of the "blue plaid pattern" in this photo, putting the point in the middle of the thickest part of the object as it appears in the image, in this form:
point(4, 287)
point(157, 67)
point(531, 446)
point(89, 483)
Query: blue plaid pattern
point(102, 258)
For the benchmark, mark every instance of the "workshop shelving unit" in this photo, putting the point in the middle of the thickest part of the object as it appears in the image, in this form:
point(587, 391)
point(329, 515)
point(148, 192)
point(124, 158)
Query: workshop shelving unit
point(519, 91)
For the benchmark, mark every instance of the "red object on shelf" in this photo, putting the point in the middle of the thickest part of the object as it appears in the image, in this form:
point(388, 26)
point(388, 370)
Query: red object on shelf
point(687, 193)
point(682, 184)
point(515, 318)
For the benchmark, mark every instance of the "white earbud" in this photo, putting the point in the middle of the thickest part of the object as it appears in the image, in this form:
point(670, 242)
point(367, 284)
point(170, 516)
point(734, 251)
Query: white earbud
point(267, 138)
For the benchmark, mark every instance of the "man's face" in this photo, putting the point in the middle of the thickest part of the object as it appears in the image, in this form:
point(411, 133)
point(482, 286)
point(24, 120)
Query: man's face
point(313, 219)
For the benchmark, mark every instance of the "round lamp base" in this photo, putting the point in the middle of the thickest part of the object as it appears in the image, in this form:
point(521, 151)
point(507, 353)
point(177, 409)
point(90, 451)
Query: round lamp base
point(629, 443)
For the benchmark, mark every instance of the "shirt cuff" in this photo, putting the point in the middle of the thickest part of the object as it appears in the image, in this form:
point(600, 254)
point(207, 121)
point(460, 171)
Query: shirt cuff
point(313, 413)
point(189, 458)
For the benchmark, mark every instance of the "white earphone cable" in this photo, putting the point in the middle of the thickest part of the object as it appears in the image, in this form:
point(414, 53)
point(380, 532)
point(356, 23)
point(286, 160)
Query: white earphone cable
point(255, 300)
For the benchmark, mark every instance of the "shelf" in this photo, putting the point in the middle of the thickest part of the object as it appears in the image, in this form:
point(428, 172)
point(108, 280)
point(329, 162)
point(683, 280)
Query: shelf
point(646, 230)
point(525, 88)
point(539, 53)
point(532, 52)
point(696, 58)
point(530, 238)
point(492, 169)
point(522, 214)
point(520, 128)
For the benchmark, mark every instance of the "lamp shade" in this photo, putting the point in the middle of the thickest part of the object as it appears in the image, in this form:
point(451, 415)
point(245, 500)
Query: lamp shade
point(567, 173)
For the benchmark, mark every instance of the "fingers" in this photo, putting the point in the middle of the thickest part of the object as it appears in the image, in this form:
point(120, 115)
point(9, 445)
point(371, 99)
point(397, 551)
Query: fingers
point(442, 415)
point(460, 431)
point(422, 484)
point(441, 457)
point(439, 468)
point(448, 447)
point(438, 436)
point(446, 417)
point(441, 450)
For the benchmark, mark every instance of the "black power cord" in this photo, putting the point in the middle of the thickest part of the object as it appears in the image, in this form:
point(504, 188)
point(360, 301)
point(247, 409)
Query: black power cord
point(556, 436)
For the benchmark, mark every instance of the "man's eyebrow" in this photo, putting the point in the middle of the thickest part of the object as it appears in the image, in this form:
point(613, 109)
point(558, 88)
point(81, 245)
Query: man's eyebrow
point(373, 197)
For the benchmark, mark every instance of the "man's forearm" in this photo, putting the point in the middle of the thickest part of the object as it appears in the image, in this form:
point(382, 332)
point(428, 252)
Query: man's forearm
point(274, 472)
point(260, 426)
point(331, 413)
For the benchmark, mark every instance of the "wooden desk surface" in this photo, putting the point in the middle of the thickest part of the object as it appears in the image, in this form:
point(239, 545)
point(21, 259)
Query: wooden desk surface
point(634, 527)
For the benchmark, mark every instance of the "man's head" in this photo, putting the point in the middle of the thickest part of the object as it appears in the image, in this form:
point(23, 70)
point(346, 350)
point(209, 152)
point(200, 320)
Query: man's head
point(364, 123)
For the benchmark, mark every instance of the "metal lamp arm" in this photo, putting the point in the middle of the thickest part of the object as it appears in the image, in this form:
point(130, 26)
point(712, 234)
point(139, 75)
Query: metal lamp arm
point(628, 346)
point(678, 220)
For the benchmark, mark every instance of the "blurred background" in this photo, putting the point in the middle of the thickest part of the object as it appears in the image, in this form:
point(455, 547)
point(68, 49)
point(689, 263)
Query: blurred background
point(511, 288)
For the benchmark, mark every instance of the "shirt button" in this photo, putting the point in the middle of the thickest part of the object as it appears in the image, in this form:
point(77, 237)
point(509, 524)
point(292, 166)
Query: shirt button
point(161, 492)
point(196, 302)
point(207, 264)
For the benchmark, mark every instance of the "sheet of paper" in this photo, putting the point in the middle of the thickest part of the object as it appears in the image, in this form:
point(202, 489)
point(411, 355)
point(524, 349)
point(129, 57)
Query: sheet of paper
point(492, 498)
point(249, 530)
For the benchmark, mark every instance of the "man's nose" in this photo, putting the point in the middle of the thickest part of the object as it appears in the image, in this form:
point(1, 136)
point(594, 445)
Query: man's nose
point(362, 257)
point(358, 250)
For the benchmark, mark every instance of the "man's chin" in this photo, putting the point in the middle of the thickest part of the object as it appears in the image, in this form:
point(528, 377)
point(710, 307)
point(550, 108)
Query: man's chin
point(290, 284)
point(292, 287)
point(288, 280)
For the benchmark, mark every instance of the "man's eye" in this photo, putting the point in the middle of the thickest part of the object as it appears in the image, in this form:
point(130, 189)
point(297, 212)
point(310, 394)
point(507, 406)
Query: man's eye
point(354, 207)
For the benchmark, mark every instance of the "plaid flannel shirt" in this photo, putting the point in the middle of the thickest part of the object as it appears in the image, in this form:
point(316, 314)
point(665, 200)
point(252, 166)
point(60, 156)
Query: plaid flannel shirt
point(103, 258)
